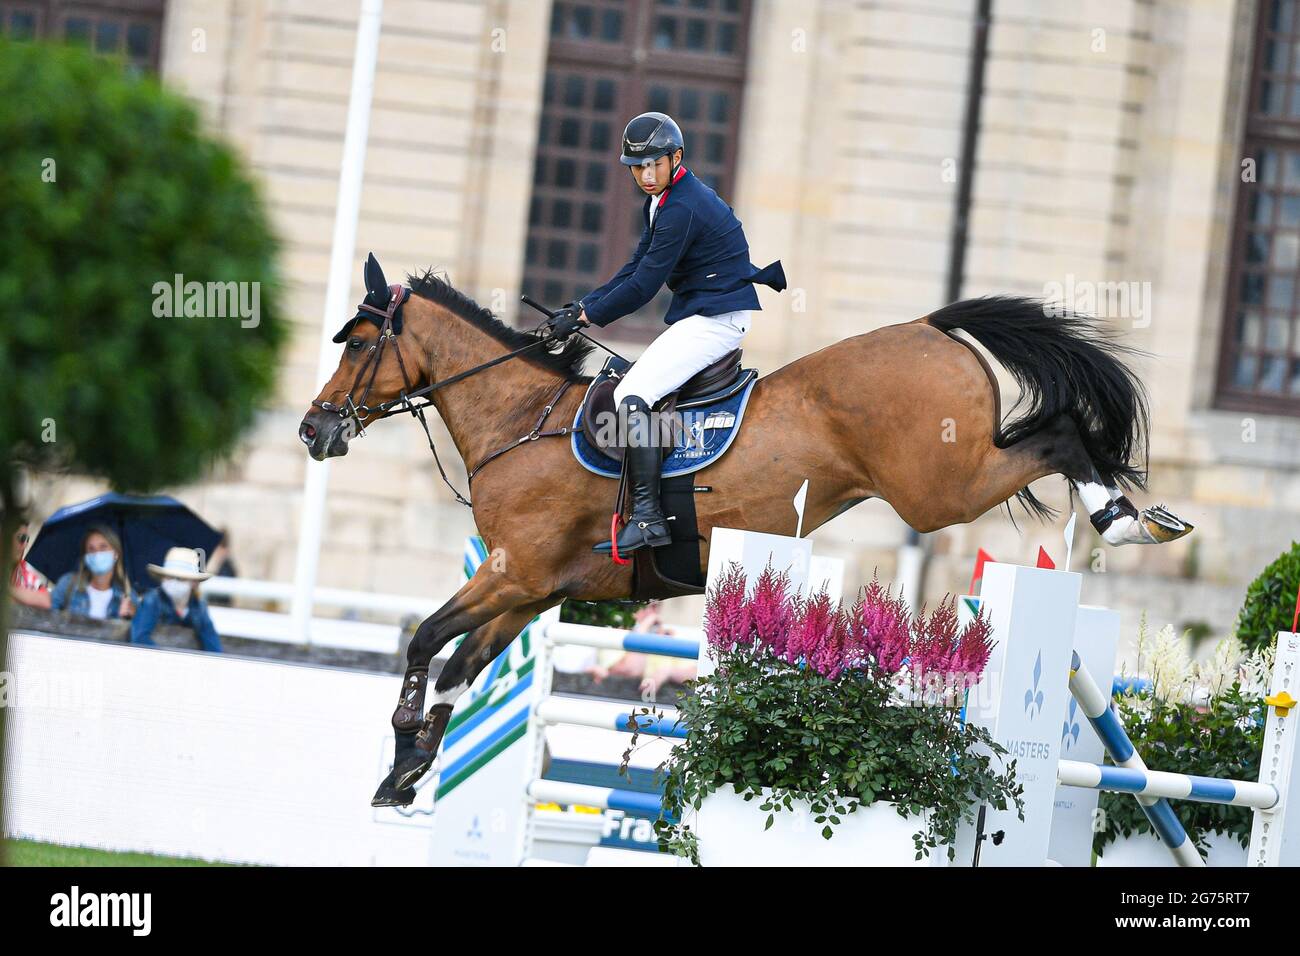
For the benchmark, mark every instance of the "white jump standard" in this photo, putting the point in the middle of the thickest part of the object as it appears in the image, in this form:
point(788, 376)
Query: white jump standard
point(1027, 646)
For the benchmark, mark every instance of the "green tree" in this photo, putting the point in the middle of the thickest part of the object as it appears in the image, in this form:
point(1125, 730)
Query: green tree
point(110, 190)
point(1270, 601)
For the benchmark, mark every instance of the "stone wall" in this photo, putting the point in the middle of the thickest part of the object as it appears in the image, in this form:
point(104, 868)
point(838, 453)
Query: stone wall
point(1108, 153)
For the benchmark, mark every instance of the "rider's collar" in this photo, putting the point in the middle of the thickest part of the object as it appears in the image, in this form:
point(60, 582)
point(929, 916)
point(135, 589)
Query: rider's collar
point(663, 196)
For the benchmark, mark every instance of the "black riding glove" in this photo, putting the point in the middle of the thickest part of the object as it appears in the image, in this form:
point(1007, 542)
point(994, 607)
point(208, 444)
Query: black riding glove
point(564, 322)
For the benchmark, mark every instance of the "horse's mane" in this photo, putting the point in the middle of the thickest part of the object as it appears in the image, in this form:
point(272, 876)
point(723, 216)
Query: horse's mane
point(568, 361)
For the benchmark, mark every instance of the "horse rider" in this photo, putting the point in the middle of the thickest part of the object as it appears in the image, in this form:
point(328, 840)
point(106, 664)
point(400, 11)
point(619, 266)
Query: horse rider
point(693, 242)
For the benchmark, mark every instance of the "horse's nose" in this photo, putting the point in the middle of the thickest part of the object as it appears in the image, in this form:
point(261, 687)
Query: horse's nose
point(307, 433)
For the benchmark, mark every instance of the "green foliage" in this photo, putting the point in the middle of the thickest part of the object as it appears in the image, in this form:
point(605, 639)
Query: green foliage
point(600, 613)
point(108, 186)
point(1223, 738)
point(838, 744)
point(1270, 601)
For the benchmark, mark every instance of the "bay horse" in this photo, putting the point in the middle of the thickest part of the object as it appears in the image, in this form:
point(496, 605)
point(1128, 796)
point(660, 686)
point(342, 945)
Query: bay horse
point(909, 413)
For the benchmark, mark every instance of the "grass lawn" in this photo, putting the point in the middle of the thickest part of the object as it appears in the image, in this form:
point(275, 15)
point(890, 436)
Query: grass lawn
point(28, 853)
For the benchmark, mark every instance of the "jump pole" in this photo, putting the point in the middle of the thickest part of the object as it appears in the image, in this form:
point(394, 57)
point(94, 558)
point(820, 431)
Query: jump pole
point(1275, 836)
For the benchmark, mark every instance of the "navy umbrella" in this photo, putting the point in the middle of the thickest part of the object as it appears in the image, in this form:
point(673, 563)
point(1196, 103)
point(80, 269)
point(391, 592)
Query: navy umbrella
point(146, 526)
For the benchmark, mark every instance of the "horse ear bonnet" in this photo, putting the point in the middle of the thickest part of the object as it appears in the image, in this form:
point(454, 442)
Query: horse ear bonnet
point(378, 296)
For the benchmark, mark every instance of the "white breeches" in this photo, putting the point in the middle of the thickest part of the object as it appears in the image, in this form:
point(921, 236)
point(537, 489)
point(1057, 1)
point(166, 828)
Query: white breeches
point(684, 348)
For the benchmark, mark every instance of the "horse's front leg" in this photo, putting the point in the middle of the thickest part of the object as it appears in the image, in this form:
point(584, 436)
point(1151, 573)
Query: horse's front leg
point(475, 652)
point(488, 603)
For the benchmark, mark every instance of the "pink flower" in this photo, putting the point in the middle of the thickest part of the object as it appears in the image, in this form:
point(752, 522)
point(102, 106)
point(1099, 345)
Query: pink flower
point(816, 638)
point(880, 629)
point(879, 633)
point(946, 656)
point(726, 612)
point(771, 610)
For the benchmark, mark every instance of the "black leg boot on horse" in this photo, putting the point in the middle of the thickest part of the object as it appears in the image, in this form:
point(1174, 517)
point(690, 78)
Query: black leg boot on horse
point(643, 454)
point(397, 790)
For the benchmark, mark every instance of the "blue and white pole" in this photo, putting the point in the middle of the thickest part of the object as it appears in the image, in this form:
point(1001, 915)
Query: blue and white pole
point(1172, 786)
point(1105, 721)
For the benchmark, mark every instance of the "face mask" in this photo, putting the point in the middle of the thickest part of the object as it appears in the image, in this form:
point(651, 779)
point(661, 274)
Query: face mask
point(178, 591)
point(100, 562)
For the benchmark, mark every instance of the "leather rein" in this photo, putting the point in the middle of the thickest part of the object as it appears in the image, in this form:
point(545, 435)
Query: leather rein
point(361, 413)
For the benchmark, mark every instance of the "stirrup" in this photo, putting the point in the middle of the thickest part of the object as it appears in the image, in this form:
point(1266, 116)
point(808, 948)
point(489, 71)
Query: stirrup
point(607, 547)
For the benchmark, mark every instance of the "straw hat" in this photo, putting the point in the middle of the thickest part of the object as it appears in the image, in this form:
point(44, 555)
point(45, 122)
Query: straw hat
point(182, 563)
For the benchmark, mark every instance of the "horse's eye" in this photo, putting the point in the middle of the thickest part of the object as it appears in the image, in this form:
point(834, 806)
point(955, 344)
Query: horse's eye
point(354, 344)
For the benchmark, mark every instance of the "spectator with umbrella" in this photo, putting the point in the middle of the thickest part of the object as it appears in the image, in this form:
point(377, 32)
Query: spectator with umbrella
point(176, 601)
point(145, 527)
point(98, 587)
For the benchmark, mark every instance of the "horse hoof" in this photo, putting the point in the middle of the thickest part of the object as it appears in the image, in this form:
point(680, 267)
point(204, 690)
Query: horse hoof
point(409, 771)
point(391, 795)
point(1162, 525)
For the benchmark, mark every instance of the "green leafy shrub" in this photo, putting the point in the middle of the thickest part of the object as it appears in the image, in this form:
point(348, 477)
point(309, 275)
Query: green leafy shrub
point(600, 613)
point(1270, 601)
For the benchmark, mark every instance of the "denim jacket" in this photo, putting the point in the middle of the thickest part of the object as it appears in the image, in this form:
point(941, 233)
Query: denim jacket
point(157, 608)
point(78, 602)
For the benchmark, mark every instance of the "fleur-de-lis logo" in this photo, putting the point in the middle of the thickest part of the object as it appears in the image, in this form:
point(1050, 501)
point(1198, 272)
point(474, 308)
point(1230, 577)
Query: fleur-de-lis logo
point(1034, 696)
point(1070, 735)
point(475, 831)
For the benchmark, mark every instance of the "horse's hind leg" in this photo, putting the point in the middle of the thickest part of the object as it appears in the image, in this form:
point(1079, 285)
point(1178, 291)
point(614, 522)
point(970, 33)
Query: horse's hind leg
point(944, 492)
point(1058, 448)
point(1118, 520)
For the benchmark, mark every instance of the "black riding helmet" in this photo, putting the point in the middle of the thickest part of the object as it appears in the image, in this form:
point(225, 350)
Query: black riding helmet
point(650, 136)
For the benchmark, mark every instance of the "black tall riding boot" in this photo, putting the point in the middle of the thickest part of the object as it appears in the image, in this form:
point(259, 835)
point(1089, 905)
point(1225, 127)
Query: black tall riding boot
point(647, 526)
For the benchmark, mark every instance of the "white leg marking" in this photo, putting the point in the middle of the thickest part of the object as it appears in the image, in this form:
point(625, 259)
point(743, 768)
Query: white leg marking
point(450, 695)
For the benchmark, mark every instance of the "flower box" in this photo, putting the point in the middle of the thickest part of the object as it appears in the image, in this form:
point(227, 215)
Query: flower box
point(731, 832)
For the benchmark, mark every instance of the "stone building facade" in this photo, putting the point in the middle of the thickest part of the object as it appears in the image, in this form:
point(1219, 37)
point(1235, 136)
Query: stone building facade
point(1110, 169)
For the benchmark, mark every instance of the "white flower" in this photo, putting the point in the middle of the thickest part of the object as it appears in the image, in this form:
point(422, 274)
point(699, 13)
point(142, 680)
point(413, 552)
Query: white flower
point(1257, 672)
point(1219, 671)
point(1171, 668)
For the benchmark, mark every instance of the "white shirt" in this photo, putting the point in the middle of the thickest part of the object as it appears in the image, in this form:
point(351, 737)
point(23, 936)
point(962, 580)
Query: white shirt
point(99, 601)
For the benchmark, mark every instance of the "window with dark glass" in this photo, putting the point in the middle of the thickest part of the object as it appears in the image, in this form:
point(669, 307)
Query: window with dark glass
point(127, 28)
point(1260, 353)
point(609, 60)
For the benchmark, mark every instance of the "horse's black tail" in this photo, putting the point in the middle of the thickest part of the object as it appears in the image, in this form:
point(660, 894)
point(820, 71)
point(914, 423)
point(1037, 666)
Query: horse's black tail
point(1065, 364)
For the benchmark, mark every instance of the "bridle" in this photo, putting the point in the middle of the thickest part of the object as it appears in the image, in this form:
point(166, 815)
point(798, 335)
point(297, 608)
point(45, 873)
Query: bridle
point(359, 411)
point(389, 324)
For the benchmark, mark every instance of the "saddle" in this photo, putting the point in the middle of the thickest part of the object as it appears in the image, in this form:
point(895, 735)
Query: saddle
point(711, 384)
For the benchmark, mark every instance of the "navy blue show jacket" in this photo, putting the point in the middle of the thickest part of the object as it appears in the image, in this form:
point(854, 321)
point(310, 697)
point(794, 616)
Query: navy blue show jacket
point(698, 248)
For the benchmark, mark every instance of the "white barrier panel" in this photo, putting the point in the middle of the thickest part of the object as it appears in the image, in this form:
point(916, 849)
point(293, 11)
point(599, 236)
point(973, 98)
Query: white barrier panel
point(202, 755)
point(826, 573)
point(1022, 701)
point(488, 755)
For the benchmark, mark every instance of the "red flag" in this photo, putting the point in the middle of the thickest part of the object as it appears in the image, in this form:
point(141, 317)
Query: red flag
point(981, 557)
point(1045, 560)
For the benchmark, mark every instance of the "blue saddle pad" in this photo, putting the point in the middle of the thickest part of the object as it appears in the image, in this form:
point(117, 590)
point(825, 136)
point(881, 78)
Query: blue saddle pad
point(709, 431)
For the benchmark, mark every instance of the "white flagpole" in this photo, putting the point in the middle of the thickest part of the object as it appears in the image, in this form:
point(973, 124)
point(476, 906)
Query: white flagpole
point(337, 295)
